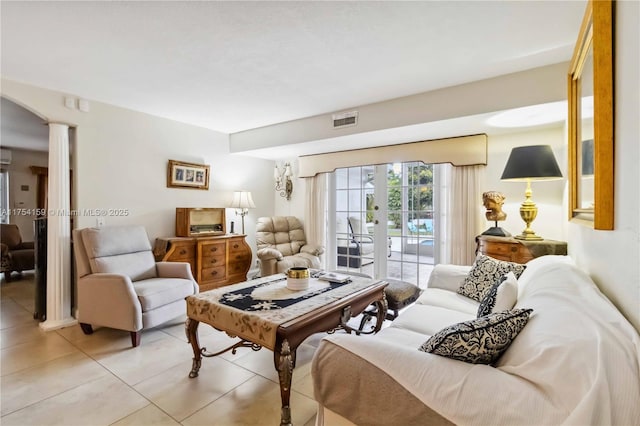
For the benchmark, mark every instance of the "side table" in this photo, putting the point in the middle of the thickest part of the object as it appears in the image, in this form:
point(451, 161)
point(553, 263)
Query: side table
point(519, 251)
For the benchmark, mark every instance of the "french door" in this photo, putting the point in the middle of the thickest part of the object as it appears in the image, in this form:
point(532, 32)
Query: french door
point(384, 220)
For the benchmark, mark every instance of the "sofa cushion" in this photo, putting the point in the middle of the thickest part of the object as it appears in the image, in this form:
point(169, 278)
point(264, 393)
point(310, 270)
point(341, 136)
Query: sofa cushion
point(298, 260)
point(156, 292)
point(428, 320)
point(501, 297)
point(448, 299)
point(479, 341)
point(484, 273)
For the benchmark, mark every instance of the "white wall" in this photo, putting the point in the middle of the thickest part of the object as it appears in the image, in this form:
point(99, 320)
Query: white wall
point(24, 200)
point(121, 163)
point(613, 257)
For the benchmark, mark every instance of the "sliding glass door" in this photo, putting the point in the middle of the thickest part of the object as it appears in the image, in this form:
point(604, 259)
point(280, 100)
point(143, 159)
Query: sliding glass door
point(384, 220)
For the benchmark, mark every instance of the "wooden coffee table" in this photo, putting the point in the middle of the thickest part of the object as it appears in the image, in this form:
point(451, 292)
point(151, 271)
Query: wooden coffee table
point(263, 313)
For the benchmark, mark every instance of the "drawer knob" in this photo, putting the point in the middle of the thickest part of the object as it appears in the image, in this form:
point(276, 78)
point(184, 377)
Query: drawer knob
point(183, 251)
point(214, 260)
point(214, 273)
point(236, 246)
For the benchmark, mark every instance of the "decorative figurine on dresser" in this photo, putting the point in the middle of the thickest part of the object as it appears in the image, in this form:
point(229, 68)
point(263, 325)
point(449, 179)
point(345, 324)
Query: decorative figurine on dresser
point(217, 258)
point(493, 201)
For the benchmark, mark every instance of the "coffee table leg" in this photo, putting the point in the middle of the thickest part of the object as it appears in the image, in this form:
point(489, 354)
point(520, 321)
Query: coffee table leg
point(381, 312)
point(191, 328)
point(285, 360)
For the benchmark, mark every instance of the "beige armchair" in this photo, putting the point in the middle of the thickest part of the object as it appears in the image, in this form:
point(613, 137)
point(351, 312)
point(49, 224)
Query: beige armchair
point(282, 244)
point(121, 286)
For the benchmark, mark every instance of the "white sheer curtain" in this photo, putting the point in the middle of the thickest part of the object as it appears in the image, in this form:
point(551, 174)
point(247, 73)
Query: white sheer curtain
point(315, 211)
point(461, 212)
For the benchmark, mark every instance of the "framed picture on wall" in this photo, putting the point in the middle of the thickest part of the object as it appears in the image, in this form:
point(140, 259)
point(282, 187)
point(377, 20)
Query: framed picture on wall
point(187, 175)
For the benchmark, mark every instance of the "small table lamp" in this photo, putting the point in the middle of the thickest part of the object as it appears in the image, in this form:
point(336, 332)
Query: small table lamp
point(527, 163)
point(242, 202)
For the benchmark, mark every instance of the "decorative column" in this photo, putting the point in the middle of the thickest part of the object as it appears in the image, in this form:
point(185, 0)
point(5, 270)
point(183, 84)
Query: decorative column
point(58, 231)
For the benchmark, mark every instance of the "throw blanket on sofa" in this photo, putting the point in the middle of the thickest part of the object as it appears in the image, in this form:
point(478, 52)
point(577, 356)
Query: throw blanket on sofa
point(576, 362)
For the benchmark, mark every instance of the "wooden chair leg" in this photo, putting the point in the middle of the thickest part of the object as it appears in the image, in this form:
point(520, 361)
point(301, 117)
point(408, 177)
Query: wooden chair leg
point(86, 328)
point(135, 338)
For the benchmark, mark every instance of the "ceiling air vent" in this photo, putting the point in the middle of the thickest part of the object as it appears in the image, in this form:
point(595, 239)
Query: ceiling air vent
point(345, 119)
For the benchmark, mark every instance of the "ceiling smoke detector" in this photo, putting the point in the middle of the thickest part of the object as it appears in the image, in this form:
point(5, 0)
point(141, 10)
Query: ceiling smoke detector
point(345, 119)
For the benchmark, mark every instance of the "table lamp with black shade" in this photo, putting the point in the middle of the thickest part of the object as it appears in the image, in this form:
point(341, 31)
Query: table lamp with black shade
point(527, 163)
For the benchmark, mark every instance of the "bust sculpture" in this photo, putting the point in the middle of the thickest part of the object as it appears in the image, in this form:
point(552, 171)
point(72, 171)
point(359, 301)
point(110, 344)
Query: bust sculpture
point(493, 201)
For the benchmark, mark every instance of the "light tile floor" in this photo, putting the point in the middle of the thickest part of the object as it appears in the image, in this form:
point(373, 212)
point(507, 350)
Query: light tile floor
point(64, 377)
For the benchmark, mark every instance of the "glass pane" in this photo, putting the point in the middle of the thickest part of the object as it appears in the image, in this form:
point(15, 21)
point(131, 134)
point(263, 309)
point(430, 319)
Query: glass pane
point(342, 179)
point(355, 200)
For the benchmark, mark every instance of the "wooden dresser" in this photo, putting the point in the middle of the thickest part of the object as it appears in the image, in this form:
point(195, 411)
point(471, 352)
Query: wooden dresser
point(215, 261)
point(514, 250)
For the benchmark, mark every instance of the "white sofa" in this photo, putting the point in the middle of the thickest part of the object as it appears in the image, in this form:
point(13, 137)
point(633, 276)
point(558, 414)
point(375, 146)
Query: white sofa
point(576, 361)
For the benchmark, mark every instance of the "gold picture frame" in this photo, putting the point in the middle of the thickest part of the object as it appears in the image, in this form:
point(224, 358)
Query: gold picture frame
point(187, 175)
point(590, 82)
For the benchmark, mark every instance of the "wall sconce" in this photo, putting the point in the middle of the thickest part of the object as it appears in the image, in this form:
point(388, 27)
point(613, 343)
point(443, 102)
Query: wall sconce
point(242, 202)
point(283, 180)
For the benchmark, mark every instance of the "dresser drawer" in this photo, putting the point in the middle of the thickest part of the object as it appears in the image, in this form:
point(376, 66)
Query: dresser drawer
point(212, 261)
point(212, 274)
point(213, 249)
point(237, 246)
point(516, 250)
point(183, 253)
point(237, 267)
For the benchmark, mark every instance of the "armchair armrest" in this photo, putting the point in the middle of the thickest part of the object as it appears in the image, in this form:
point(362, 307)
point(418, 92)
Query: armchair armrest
point(174, 270)
point(269, 253)
point(109, 299)
point(448, 277)
point(313, 249)
point(359, 240)
point(4, 249)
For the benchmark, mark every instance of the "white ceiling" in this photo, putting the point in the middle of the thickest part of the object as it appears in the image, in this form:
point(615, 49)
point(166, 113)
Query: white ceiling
point(233, 66)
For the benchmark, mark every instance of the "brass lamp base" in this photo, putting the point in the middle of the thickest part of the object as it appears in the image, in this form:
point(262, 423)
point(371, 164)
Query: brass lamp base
point(528, 212)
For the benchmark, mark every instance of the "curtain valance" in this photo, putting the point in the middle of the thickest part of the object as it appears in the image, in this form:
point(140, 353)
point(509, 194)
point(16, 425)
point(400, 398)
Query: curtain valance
point(459, 151)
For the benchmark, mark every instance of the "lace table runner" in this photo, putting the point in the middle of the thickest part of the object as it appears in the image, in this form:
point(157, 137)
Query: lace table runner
point(254, 309)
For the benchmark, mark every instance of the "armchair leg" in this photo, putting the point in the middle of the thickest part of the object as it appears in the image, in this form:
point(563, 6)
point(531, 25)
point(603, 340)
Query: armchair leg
point(86, 328)
point(135, 338)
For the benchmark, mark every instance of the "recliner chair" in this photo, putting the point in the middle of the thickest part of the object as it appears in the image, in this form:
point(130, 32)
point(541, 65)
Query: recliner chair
point(17, 255)
point(121, 286)
point(282, 244)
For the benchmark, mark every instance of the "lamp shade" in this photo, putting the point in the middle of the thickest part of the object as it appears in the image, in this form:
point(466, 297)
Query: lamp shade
point(242, 200)
point(535, 162)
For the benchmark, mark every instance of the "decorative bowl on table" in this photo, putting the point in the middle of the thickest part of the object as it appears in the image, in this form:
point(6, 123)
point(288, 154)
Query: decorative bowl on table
point(297, 278)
